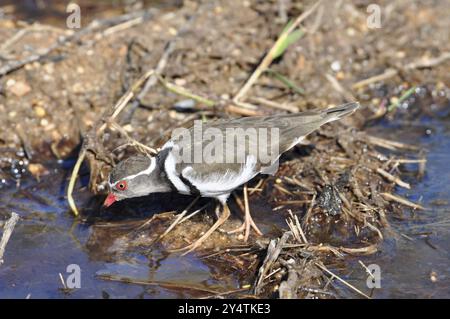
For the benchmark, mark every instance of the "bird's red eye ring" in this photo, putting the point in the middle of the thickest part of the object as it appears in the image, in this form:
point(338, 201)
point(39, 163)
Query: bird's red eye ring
point(121, 186)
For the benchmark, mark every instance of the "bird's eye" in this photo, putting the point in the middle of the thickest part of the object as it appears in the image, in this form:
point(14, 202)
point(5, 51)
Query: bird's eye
point(121, 186)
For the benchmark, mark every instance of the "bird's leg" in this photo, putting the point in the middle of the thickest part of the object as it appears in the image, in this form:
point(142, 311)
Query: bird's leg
point(222, 219)
point(248, 220)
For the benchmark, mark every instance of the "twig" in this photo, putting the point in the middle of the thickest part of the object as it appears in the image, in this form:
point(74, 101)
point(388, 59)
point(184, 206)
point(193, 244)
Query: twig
point(389, 73)
point(220, 294)
point(17, 36)
point(284, 107)
point(179, 218)
point(183, 92)
point(123, 26)
point(388, 144)
point(61, 278)
point(342, 280)
point(402, 201)
point(170, 285)
point(428, 62)
point(309, 211)
point(296, 228)
point(7, 231)
point(143, 148)
point(393, 178)
point(242, 111)
point(273, 251)
point(194, 213)
point(366, 269)
point(72, 181)
point(339, 88)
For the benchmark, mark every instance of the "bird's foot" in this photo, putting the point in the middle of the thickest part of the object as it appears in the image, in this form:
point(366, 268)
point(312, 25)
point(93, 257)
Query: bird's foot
point(246, 226)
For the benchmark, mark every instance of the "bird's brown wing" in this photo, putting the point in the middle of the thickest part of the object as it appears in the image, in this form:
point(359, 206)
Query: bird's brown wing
point(274, 135)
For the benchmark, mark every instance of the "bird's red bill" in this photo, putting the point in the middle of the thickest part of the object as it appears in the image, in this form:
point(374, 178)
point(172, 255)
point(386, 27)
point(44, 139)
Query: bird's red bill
point(110, 199)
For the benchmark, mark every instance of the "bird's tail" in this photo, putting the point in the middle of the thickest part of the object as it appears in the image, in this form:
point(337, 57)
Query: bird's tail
point(338, 112)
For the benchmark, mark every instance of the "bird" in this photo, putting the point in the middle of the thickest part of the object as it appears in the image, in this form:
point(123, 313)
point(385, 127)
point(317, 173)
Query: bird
point(141, 175)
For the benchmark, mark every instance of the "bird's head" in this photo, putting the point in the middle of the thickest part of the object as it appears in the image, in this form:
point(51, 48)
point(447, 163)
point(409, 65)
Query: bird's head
point(134, 177)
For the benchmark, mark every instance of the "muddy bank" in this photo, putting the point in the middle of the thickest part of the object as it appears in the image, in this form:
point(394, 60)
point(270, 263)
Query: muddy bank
point(345, 186)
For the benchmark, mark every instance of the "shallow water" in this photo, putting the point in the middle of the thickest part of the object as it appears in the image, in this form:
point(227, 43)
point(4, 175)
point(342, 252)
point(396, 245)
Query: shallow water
point(408, 262)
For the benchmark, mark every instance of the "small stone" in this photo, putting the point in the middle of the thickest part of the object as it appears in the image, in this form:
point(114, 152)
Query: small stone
point(185, 105)
point(77, 88)
point(44, 122)
point(225, 96)
point(236, 52)
point(128, 128)
point(351, 32)
point(173, 31)
point(180, 82)
point(10, 82)
point(433, 276)
point(336, 66)
point(400, 54)
point(37, 170)
point(240, 237)
point(394, 100)
point(340, 75)
point(39, 111)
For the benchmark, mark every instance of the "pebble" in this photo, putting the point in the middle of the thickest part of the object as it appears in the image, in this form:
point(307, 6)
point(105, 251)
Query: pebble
point(39, 111)
point(173, 31)
point(340, 75)
point(18, 88)
point(351, 32)
point(336, 66)
point(393, 100)
point(433, 276)
point(184, 105)
point(180, 82)
point(44, 122)
point(37, 170)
